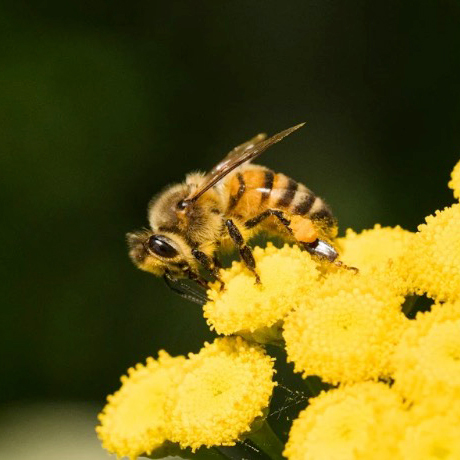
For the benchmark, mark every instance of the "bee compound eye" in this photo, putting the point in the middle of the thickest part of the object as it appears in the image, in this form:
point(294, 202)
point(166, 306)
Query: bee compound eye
point(159, 246)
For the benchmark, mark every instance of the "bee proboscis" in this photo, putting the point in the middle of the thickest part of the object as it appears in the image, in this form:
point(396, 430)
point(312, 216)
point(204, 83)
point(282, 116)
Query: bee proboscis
point(192, 221)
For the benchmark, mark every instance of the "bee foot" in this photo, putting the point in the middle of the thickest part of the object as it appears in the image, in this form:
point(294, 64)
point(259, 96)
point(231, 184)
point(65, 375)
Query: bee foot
point(340, 264)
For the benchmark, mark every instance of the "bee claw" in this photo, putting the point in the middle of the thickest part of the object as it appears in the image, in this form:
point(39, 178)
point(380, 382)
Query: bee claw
point(340, 264)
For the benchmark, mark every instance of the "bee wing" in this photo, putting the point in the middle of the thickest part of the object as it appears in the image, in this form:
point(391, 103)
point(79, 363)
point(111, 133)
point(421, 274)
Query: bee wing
point(236, 153)
point(239, 155)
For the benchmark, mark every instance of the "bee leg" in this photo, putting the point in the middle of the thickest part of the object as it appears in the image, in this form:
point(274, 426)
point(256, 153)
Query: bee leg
point(325, 251)
point(244, 249)
point(208, 264)
point(197, 278)
point(317, 248)
point(264, 215)
point(217, 265)
point(321, 249)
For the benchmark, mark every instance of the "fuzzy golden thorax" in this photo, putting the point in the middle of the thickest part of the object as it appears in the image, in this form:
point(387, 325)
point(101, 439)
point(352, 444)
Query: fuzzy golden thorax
point(199, 222)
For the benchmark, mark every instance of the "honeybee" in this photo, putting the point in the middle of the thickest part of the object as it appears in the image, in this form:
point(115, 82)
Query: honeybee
point(191, 222)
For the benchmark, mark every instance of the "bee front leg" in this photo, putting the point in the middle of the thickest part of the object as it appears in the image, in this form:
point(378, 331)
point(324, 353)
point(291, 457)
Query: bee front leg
point(208, 264)
point(197, 278)
point(245, 250)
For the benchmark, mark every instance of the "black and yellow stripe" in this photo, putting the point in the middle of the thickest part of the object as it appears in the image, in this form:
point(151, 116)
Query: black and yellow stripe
point(256, 189)
point(288, 194)
point(234, 199)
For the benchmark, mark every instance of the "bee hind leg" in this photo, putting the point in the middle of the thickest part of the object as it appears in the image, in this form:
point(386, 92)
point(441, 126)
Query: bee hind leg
point(264, 215)
point(326, 251)
point(244, 249)
point(317, 248)
point(321, 249)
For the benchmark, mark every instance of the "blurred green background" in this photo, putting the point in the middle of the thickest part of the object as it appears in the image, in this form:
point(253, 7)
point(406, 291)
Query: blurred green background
point(104, 103)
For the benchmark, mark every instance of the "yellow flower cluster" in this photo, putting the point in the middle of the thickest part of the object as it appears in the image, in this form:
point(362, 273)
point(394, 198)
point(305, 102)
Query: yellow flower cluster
point(287, 276)
point(209, 399)
point(346, 329)
point(397, 379)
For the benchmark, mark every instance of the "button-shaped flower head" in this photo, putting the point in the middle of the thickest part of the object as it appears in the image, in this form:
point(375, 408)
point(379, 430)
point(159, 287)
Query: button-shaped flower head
point(227, 386)
point(347, 328)
point(380, 248)
point(287, 276)
point(354, 422)
point(427, 359)
point(133, 421)
point(433, 261)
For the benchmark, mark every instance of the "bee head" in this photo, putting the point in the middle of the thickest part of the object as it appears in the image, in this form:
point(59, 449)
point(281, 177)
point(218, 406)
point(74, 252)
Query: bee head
point(154, 253)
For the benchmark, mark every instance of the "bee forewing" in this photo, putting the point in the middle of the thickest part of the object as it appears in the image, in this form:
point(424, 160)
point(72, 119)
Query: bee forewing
point(239, 155)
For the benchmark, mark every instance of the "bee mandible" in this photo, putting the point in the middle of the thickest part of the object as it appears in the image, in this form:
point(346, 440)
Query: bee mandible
point(191, 222)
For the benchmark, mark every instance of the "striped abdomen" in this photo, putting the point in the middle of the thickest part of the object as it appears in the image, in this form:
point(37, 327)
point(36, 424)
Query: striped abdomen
point(255, 189)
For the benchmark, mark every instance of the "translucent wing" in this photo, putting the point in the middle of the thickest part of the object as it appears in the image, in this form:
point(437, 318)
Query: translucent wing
point(236, 153)
point(239, 155)
point(193, 292)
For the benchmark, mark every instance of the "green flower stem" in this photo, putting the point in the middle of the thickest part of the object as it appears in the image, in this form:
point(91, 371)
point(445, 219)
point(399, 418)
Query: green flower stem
point(267, 441)
point(170, 449)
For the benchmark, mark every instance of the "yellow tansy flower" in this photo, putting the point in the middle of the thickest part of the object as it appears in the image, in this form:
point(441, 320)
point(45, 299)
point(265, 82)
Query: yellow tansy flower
point(133, 421)
point(433, 432)
point(379, 248)
point(347, 328)
point(287, 275)
point(427, 359)
point(227, 386)
point(353, 422)
point(433, 260)
point(454, 183)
